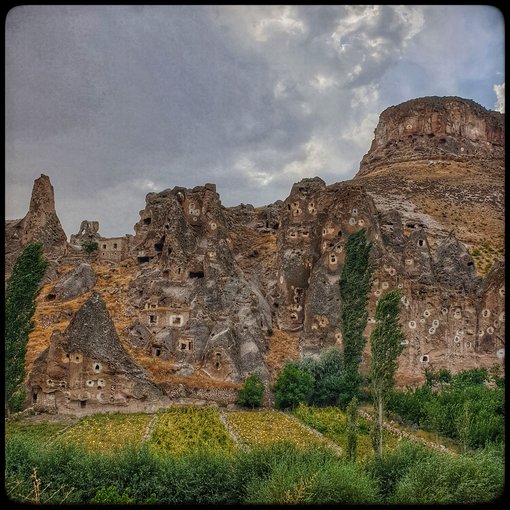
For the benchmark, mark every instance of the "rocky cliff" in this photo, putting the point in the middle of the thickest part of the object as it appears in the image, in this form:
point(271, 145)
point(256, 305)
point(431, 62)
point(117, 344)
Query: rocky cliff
point(435, 128)
point(41, 224)
point(206, 295)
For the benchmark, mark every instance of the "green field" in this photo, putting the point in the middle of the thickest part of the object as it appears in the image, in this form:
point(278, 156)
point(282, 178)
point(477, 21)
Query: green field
point(331, 422)
point(263, 428)
point(185, 455)
point(107, 432)
point(187, 430)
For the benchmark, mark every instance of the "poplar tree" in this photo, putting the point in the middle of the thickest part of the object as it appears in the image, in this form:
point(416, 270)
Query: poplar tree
point(355, 282)
point(386, 344)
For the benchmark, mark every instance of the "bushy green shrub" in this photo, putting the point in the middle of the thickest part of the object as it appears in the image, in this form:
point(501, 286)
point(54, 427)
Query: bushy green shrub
point(293, 386)
point(311, 477)
point(252, 392)
point(389, 468)
point(282, 473)
point(329, 376)
point(465, 408)
point(447, 479)
point(90, 246)
point(110, 496)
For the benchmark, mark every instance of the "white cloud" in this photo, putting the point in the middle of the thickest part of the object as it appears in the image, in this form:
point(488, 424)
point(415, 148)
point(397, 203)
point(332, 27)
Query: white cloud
point(362, 133)
point(499, 90)
point(255, 175)
point(145, 185)
point(281, 21)
point(314, 160)
point(366, 95)
point(321, 82)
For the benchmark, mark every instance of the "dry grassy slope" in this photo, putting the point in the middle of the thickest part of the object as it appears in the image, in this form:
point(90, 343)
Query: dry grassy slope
point(113, 284)
point(466, 197)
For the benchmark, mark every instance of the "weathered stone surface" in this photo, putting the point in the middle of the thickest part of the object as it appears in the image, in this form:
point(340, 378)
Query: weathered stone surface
point(73, 284)
point(89, 231)
point(40, 224)
point(198, 304)
point(210, 294)
point(87, 367)
point(435, 128)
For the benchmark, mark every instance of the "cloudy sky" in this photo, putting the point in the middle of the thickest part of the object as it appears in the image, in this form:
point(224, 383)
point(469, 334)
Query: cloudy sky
point(113, 102)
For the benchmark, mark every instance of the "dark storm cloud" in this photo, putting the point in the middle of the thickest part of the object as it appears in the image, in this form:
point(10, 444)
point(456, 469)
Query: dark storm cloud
point(116, 101)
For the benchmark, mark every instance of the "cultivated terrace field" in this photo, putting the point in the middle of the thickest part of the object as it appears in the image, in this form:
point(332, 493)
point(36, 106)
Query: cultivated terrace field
point(190, 430)
point(204, 455)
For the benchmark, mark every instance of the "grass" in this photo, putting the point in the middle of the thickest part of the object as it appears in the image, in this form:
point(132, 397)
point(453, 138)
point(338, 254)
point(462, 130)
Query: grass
point(38, 431)
point(190, 430)
point(264, 428)
point(107, 432)
point(332, 423)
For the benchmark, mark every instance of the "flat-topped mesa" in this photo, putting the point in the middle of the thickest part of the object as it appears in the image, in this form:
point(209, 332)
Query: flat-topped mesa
point(432, 128)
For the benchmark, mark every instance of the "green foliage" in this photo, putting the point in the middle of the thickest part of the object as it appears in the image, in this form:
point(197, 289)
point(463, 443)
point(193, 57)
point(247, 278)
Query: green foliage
point(293, 386)
point(410, 405)
point(447, 479)
point(473, 377)
point(441, 377)
point(311, 477)
point(386, 345)
point(90, 246)
point(464, 409)
point(252, 393)
point(110, 496)
point(352, 429)
point(390, 467)
point(22, 289)
point(355, 282)
point(329, 376)
point(282, 473)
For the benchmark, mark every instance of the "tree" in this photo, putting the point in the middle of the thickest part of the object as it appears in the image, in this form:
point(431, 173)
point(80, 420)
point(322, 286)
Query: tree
point(293, 386)
point(386, 346)
point(355, 282)
point(90, 246)
point(327, 372)
point(252, 393)
point(22, 289)
point(352, 429)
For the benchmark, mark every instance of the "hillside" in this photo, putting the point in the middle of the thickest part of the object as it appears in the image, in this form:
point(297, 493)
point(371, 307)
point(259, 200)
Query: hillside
point(203, 295)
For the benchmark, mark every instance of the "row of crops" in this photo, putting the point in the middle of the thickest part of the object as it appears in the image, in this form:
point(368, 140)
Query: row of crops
point(181, 430)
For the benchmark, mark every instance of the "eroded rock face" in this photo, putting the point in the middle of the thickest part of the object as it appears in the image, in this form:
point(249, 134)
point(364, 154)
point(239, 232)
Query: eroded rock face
point(89, 232)
point(198, 307)
point(75, 283)
point(214, 284)
point(40, 224)
point(86, 368)
point(435, 128)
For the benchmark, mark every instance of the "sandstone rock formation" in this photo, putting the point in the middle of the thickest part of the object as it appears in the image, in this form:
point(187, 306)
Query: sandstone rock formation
point(86, 368)
point(205, 295)
point(73, 284)
point(41, 224)
point(198, 305)
point(435, 128)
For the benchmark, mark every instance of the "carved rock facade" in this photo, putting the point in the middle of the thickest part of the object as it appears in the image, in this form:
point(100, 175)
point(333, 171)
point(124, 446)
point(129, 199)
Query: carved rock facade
point(205, 288)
